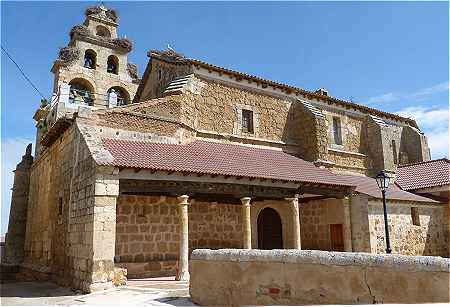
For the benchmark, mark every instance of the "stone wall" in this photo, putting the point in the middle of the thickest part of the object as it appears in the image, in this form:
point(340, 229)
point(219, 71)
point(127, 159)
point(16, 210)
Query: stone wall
point(160, 74)
point(414, 146)
point(349, 162)
point(213, 108)
point(255, 277)
point(316, 216)
point(359, 216)
point(284, 211)
point(352, 156)
point(71, 210)
point(430, 238)
point(147, 239)
point(303, 120)
point(49, 190)
point(379, 138)
point(216, 109)
point(100, 80)
point(15, 236)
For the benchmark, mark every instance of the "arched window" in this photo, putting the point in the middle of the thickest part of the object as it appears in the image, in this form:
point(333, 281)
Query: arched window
point(81, 92)
point(123, 97)
point(113, 65)
point(103, 31)
point(90, 59)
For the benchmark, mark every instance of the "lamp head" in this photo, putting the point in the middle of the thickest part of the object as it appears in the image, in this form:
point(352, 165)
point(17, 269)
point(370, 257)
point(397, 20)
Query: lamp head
point(383, 180)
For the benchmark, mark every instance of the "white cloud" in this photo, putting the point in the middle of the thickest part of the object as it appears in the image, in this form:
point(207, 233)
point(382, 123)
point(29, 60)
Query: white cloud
point(434, 122)
point(427, 117)
point(420, 94)
point(423, 93)
point(438, 143)
point(12, 151)
point(383, 98)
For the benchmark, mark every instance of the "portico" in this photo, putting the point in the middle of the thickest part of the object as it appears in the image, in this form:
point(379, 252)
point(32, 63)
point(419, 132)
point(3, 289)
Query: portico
point(177, 212)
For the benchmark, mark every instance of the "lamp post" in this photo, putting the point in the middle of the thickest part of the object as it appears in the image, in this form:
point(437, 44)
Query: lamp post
point(383, 181)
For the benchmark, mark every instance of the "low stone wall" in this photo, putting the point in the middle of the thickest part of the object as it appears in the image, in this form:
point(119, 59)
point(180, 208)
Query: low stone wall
point(304, 277)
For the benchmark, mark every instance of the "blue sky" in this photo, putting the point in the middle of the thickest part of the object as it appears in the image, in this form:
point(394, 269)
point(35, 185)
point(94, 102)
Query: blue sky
point(392, 56)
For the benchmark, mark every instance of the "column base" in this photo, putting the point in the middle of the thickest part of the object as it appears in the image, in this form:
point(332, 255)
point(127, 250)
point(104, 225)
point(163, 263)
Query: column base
point(183, 276)
point(98, 286)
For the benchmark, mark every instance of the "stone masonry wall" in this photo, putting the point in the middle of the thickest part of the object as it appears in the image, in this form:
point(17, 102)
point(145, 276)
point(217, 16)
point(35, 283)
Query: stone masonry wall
point(68, 221)
point(49, 190)
point(301, 277)
point(430, 238)
point(15, 237)
point(217, 106)
point(359, 216)
point(316, 216)
point(160, 75)
point(147, 240)
point(100, 80)
point(352, 155)
point(414, 146)
point(346, 162)
point(301, 122)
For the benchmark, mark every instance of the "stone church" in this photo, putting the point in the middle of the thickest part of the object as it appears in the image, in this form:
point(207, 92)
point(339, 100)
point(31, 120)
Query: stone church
point(131, 174)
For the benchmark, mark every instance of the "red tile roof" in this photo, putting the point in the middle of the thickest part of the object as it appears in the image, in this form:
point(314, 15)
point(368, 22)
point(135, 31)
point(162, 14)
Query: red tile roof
point(213, 158)
point(203, 157)
point(425, 174)
point(368, 186)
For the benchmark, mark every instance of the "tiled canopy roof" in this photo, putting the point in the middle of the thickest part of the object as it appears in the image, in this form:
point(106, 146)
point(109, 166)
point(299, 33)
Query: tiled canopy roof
point(203, 157)
point(213, 158)
point(368, 186)
point(426, 174)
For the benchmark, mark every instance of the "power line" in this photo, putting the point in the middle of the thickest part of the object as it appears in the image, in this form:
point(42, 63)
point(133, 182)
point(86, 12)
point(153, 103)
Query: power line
point(23, 73)
point(32, 84)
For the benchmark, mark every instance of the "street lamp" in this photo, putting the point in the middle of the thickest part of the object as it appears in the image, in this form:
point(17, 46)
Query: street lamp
point(383, 181)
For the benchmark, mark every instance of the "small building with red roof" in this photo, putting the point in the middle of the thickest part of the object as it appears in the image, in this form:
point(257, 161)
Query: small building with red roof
point(428, 178)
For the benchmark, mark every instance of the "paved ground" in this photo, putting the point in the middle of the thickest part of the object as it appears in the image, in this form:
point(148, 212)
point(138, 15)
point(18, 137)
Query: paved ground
point(141, 292)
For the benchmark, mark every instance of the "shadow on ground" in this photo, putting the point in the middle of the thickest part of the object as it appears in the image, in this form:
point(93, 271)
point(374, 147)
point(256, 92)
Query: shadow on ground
point(148, 292)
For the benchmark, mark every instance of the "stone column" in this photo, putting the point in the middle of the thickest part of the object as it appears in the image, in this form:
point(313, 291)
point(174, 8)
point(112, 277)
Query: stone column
point(347, 225)
point(98, 245)
point(293, 202)
point(246, 222)
point(183, 261)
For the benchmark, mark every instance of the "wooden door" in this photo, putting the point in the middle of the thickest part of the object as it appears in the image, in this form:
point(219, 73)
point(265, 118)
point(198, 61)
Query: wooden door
point(337, 237)
point(270, 231)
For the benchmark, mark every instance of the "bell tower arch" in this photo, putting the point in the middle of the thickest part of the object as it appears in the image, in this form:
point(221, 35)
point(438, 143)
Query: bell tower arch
point(89, 70)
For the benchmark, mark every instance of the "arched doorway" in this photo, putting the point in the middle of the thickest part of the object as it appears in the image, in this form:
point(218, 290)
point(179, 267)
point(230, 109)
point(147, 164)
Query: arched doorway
point(270, 229)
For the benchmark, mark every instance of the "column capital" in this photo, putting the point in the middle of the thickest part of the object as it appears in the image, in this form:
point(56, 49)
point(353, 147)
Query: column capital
point(183, 199)
point(246, 201)
point(292, 199)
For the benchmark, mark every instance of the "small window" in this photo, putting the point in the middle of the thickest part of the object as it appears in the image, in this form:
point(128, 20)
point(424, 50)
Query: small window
point(247, 121)
point(337, 133)
point(60, 206)
point(394, 151)
point(112, 65)
point(415, 216)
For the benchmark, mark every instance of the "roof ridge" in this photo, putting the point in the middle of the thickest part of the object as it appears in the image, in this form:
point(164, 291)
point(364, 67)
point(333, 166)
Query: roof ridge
point(177, 58)
point(306, 92)
point(424, 162)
